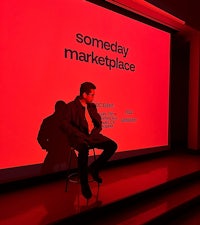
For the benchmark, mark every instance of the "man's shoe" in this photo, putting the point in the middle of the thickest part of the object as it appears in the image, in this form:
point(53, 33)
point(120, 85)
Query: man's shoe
point(95, 176)
point(86, 192)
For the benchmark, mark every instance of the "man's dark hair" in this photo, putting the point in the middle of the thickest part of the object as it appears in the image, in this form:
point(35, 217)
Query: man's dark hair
point(86, 87)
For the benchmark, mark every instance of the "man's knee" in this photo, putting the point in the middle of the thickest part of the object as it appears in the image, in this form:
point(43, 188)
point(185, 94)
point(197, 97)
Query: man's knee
point(112, 146)
point(115, 146)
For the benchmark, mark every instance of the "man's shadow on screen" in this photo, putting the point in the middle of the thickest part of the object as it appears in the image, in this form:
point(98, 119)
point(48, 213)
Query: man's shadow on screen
point(54, 140)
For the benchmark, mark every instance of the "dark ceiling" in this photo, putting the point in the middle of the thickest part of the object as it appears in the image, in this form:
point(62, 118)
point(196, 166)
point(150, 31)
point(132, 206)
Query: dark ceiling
point(187, 10)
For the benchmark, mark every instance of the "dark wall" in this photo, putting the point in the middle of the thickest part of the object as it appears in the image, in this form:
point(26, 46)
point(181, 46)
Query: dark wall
point(199, 112)
point(184, 9)
point(179, 87)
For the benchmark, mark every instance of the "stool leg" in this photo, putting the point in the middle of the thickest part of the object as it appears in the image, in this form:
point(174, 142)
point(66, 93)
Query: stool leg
point(94, 154)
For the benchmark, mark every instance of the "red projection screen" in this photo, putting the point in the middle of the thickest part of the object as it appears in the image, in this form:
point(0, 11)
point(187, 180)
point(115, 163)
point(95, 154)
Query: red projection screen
point(48, 48)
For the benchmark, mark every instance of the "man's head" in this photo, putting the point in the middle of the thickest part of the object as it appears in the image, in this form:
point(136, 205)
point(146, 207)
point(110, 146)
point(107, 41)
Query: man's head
point(87, 91)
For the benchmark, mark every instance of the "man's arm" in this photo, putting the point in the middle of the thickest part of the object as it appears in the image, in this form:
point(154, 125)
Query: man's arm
point(96, 119)
point(70, 128)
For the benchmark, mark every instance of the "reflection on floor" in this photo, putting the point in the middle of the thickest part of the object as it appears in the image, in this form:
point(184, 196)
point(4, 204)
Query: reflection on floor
point(49, 203)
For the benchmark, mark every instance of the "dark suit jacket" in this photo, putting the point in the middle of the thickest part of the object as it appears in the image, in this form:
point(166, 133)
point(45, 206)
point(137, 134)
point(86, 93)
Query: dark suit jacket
point(76, 125)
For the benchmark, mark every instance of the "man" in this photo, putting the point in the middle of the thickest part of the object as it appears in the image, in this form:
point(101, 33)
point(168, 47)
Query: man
point(83, 125)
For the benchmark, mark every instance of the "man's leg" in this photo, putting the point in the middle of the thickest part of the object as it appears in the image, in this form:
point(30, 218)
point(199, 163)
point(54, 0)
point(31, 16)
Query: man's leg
point(83, 169)
point(109, 147)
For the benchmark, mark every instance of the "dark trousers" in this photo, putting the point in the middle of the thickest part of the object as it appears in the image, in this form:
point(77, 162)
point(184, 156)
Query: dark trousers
point(108, 147)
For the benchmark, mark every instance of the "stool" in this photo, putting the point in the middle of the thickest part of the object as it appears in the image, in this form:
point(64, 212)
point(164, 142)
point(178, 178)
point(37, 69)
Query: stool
point(74, 176)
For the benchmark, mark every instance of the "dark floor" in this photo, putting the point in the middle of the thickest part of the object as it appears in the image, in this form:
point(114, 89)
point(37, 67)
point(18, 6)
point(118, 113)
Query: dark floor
point(131, 193)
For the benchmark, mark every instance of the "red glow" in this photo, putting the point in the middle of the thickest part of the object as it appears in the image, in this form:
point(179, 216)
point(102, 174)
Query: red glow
point(35, 74)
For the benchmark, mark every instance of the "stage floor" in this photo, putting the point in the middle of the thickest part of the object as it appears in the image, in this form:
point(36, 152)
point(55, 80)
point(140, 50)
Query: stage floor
point(49, 202)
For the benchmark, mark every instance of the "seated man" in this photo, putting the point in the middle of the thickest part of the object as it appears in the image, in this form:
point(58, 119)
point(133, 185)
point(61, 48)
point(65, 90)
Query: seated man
point(83, 126)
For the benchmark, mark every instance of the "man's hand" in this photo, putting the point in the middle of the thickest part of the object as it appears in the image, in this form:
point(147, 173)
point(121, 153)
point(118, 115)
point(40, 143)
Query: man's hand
point(88, 141)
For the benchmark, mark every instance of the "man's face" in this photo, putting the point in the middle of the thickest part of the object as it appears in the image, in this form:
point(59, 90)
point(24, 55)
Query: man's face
point(89, 97)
